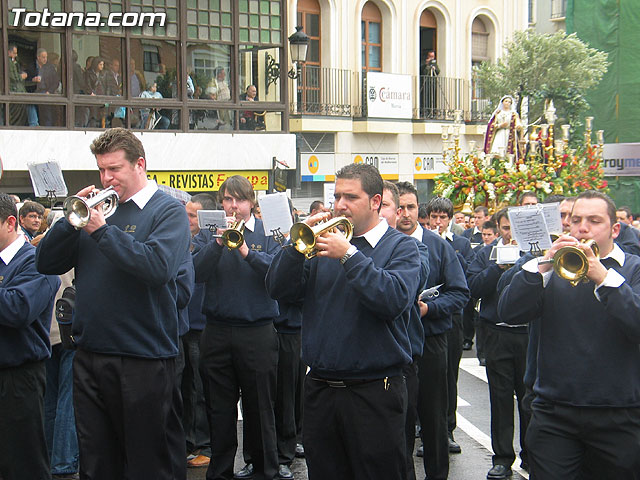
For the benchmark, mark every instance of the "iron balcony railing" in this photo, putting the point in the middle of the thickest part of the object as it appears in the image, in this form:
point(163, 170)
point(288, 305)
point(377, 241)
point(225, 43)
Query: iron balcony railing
point(336, 92)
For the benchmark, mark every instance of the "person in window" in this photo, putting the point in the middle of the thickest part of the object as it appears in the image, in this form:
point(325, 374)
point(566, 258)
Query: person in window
point(94, 79)
point(17, 112)
point(218, 89)
point(430, 72)
point(157, 121)
point(42, 78)
point(249, 119)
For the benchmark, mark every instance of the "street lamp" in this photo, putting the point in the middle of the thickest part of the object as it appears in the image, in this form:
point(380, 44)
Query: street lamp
point(298, 43)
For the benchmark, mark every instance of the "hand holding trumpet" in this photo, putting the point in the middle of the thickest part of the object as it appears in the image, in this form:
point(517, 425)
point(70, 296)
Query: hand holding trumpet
point(96, 217)
point(596, 271)
point(330, 244)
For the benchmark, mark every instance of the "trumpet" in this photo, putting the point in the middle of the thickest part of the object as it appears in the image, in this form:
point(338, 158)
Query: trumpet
point(77, 210)
point(233, 237)
point(303, 237)
point(571, 263)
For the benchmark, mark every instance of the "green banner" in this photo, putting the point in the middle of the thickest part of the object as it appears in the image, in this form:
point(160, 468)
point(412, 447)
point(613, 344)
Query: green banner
point(612, 26)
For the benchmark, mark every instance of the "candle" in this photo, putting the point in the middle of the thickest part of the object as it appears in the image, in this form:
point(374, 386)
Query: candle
point(587, 123)
point(565, 132)
point(600, 137)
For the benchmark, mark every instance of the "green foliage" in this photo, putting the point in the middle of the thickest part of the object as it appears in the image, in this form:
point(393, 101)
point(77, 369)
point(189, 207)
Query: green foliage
point(540, 66)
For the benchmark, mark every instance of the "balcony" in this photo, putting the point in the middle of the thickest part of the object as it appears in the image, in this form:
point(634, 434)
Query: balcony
point(341, 94)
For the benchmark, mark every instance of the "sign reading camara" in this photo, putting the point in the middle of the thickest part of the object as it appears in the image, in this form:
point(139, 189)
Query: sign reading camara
point(389, 95)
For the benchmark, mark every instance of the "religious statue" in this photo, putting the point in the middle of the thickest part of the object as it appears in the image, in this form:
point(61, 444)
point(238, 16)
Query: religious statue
point(504, 130)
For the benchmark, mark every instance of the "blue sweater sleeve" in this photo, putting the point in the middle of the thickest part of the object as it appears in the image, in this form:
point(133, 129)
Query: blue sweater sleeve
point(260, 261)
point(206, 255)
point(57, 252)
point(390, 290)
point(287, 275)
point(454, 294)
point(483, 274)
point(185, 281)
point(424, 265)
point(521, 300)
point(156, 260)
point(29, 294)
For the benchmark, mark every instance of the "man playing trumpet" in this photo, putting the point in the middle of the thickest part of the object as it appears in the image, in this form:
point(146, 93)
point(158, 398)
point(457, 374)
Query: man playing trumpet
point(357, 298)
point(125, 322)
point(587, 388)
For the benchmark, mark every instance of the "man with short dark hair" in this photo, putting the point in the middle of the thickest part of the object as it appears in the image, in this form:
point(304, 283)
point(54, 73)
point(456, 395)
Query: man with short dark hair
point(31, 214)
point(317, 207)
point(489, 233)
point(440, 213)
point(194, 418)
point(528, 198)
point(357, 296)
point(474, 234)
point(239, 345)
point(446, 274)
point(390, 212)
point(26, 303)
point(505, 349)
point(623, 214)
point(588, 376)
point(126, 317)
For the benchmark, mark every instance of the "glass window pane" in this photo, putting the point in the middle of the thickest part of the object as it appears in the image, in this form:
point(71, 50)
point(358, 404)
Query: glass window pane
point(153, 63)
point(260, 67)
point(313, 25)
point(155, 118)
point(209, 66)
point(221, 120)
point(374, 32)
point(374, 57)
point(313, 53)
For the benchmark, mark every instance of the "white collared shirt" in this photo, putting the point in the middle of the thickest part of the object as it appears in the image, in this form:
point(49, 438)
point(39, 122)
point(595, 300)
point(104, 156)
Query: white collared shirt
point(142, 196)
point(418, 232)
point(251, 223)
point(10, 251)
point(374, 235)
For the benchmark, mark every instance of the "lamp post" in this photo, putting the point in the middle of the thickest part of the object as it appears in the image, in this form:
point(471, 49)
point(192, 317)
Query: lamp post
point(298, 44)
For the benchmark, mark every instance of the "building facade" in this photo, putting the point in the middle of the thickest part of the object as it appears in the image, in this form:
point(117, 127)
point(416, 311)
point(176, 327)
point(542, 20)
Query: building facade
point(364, 94)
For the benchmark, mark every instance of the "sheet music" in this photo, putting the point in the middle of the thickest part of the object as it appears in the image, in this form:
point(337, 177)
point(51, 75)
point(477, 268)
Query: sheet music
point(208, 219)
point(529, 228)
point(276, 215)
point(552, 217)
point(46, 177)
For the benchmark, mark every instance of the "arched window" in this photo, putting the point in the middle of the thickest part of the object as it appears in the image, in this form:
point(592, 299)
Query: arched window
point(371, 38)
point(309, 89)
point(479, 41)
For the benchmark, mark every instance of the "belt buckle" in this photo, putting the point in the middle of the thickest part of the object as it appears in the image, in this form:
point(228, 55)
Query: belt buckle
point(336, 383)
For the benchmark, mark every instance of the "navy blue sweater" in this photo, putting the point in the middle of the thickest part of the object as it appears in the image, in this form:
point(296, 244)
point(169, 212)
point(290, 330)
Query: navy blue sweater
point(185, 283)
point(235, 293)
point(355, 316)
point(290, 318)
point(444, 268)
point(125, 277)
point(483, 276)
point(26, 302)
point(416, 329)
point(628, 239)
point(589, 350)
point(197, 319)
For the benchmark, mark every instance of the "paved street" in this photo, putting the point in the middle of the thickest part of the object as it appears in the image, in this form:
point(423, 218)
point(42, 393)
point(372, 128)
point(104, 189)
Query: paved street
point(473, 432)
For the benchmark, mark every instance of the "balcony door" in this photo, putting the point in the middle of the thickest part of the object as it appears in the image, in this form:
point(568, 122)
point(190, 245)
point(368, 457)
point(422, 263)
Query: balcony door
point(310, 86)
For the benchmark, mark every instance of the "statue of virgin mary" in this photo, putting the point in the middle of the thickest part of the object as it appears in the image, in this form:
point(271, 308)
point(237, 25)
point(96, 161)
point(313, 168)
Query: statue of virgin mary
point(504, 130)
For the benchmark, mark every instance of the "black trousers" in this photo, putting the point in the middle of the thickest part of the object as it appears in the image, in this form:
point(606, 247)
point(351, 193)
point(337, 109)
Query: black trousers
point(432, 406)
point(123, 408)
point(454, 354)
point(571, 443)
point(468, 320)
point(355, 432)
point(234, 359)
point(23, 448)
point(194, 416)
point(410, 373)
point(285, 411)
point(506, 354)
point(175, 432)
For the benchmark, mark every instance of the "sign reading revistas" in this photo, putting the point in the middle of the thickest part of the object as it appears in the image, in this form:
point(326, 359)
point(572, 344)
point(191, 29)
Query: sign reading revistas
point(389, 95)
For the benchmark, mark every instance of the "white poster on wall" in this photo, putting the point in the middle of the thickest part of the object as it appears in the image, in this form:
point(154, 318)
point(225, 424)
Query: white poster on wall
point(386, 163)
point(389, 95)
point(621, 159)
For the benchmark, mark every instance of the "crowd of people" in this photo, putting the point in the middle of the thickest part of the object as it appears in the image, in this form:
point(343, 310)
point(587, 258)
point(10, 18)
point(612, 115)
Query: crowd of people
point(160, 328)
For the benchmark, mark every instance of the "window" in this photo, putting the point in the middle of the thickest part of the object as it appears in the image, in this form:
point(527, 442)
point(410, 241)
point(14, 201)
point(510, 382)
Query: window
point(371, 38)
point(479, 41)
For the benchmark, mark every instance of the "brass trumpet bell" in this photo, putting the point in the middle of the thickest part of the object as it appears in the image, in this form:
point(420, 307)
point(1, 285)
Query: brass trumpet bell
point(233, 237)
point(77, 210)
point(303, 237)
point(572, 264)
